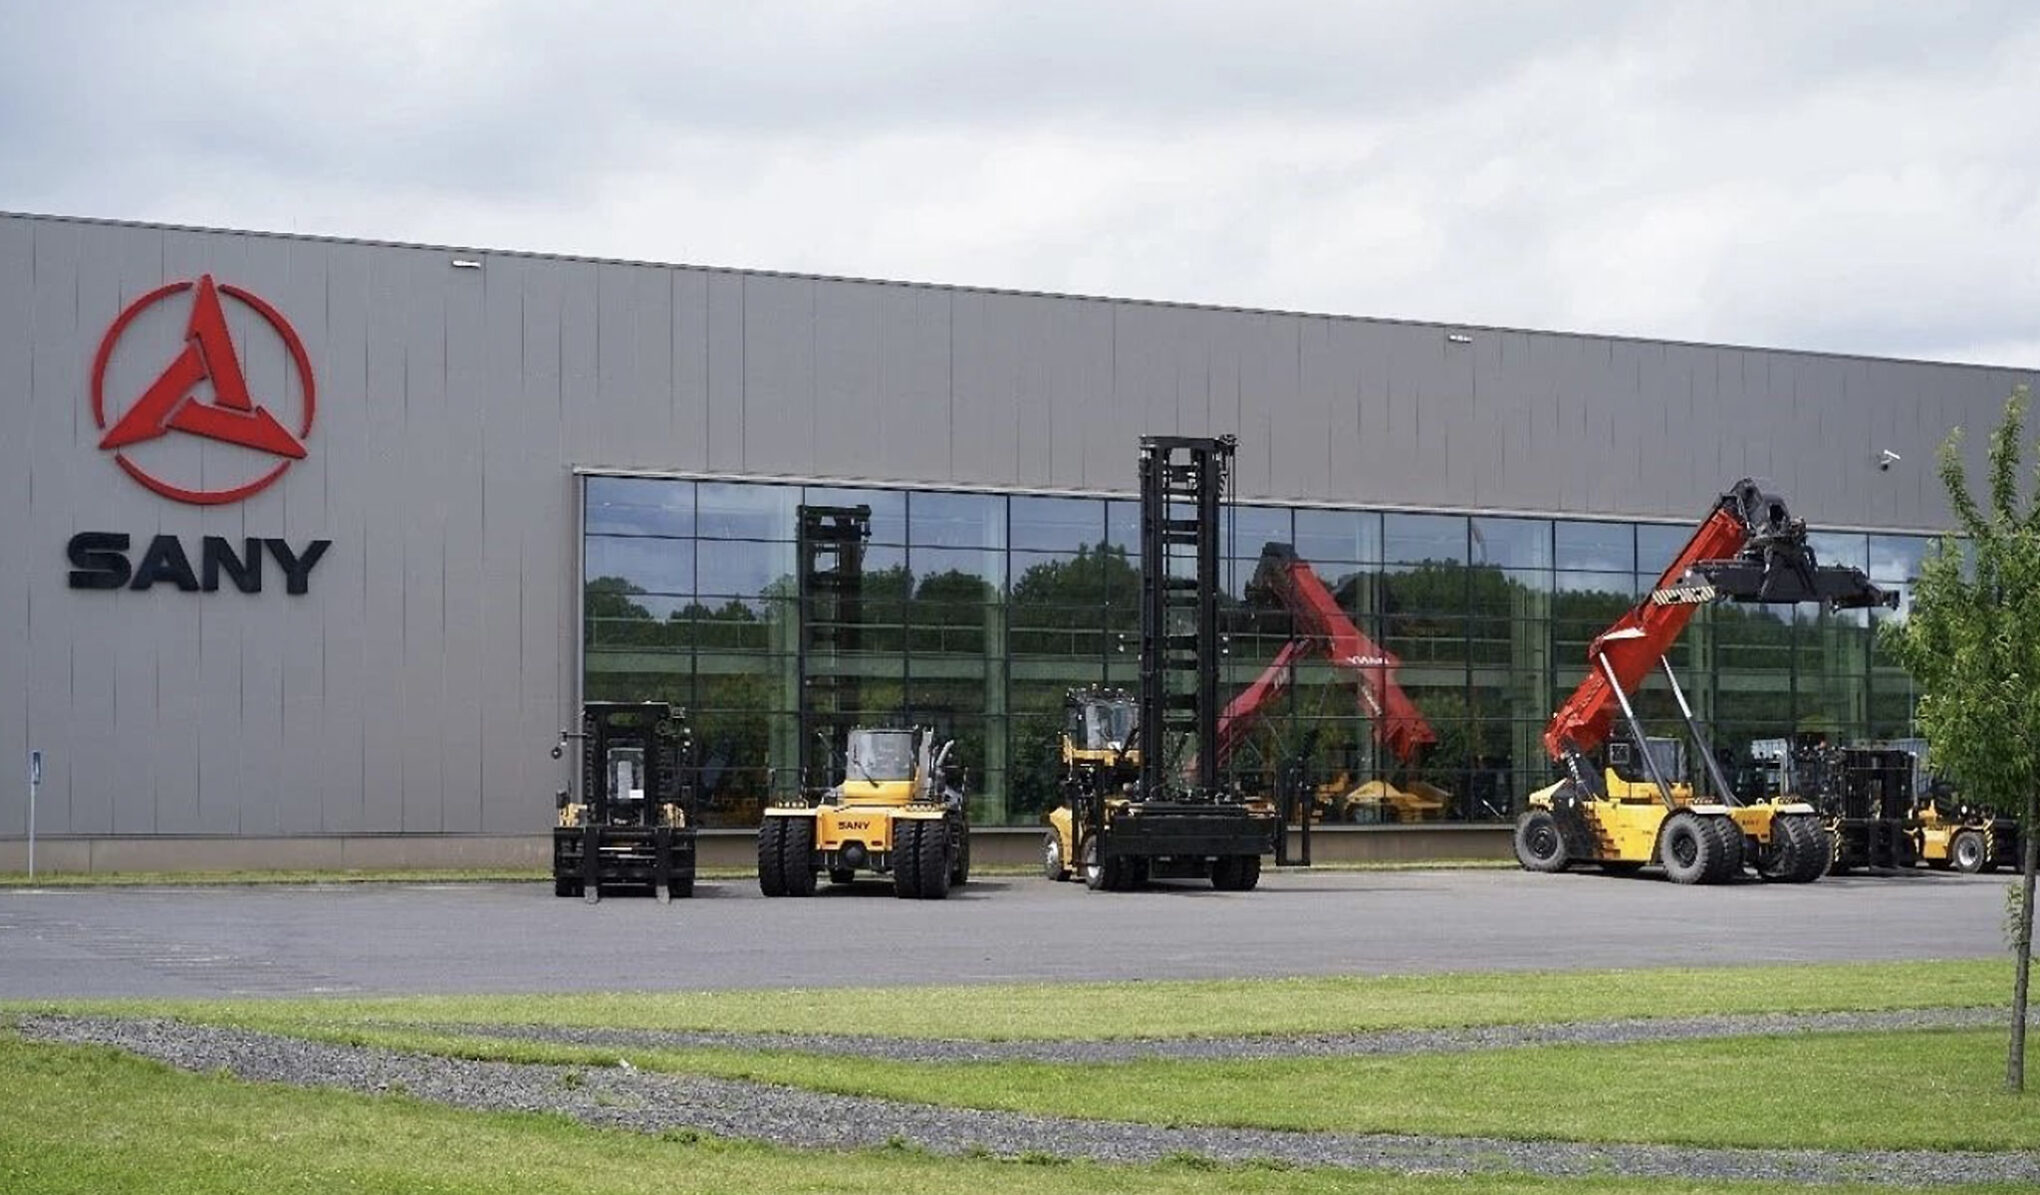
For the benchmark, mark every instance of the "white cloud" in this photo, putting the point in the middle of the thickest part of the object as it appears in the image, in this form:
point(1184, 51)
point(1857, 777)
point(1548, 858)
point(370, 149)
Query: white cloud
point(1839, 176)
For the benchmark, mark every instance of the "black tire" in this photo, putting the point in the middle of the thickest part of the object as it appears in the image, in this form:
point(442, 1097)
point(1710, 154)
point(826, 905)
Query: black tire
point(1990, 849)
point(680, 887)
point(842, 875)
point(1688, 849)
point(934, 849)
point(1236, 873)
point(797, 856)
point(566, 888)
point(1728, 849)
point(1053, 865)
point(1968, 852)
point(959, 875)
point(1798, 852)
point(1905, 853)
point(1133, 874)
point(1816, 853)
point(771, 845)
point(1095, 873)
point(906, 859)
point(1540, 846)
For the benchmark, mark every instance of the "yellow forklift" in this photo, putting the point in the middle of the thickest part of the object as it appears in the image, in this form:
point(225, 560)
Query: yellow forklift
point(1951, 833)
point(1142, 796)
point(1100, 761)
point(894, 811)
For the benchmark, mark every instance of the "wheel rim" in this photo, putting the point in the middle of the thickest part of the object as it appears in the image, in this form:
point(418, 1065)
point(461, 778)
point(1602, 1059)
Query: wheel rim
point(1967, 852)
point(1094, 870)
point(1684, 846)
point(1051, 856)
point(1543, 842)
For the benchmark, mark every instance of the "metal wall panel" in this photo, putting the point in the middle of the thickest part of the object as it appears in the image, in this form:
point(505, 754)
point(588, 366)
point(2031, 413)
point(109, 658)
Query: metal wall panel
point(418, 683)
point(1078, 349)
point(779, 375)
point(846, 377)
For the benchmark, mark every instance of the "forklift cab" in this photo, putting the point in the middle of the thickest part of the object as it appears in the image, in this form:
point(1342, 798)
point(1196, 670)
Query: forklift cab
point(880, 755)
point(1100, 723)
point(1628, 763)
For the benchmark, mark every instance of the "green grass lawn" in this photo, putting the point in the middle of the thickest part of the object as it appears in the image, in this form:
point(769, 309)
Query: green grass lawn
point(1324, 1004)
point(1929, 1089)
point(91, 1121)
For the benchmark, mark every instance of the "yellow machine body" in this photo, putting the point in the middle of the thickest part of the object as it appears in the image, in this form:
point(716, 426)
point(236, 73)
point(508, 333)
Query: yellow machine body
point(863, 817)
point(1628, 826)
point(893, 813)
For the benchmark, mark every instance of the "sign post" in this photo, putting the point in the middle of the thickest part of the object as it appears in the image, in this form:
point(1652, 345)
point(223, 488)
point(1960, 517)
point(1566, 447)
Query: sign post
point(34, 782)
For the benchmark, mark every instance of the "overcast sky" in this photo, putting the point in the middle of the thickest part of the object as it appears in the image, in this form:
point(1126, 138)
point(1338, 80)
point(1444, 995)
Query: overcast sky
point(1857, 177)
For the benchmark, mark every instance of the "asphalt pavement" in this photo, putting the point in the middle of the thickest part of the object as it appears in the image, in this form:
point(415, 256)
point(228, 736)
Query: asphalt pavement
point(420, 938)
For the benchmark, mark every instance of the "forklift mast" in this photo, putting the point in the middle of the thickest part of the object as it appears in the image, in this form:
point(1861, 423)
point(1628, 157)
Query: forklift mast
point(635, 757)
point(1182, 490)
point(831, 581)
point(1749, 549)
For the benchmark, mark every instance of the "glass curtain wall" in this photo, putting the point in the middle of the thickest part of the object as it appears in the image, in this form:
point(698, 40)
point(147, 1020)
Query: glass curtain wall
point(976, 613)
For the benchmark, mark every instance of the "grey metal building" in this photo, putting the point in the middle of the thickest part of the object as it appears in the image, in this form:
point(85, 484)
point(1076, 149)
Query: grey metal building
point(508, 455)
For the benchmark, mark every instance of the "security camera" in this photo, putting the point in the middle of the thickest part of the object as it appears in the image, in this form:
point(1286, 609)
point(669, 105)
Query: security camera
point(1887, 458)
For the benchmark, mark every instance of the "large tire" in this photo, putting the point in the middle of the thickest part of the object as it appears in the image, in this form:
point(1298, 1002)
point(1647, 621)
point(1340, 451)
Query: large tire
point(1540, 846)
point(1798, 852)
point(1236, 873)
point(1728, 849)
point(906, 859)
point(1990, 849)
point(959, 875)
point(797, 856)
point(1093, 867)
point(680, 887)
point(1688, 849)
point(1053, 865)
point(771, 844)
point(1968, 851)
point(1816, 853)
point(934, 847)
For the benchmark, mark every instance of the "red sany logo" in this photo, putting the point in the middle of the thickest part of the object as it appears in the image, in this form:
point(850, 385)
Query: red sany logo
point(173, 403)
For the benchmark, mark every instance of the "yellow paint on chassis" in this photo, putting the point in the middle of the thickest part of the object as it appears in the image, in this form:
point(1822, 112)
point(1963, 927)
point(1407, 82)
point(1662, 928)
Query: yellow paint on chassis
point(1626, 827)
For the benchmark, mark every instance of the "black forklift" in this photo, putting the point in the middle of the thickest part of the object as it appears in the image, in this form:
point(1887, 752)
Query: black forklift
point(633, 823)
point(1865, 797)
point(1177, 820)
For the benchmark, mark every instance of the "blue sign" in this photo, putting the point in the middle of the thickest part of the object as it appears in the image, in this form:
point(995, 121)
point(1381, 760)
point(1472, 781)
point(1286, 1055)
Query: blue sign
point(35, 767)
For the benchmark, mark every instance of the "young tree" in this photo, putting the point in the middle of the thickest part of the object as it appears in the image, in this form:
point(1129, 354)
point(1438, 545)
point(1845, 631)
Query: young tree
point(1972, 643)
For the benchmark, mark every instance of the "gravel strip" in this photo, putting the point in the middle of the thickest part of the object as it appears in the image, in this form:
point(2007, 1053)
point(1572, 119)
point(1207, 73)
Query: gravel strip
point(1245, 1047)
point(621, 1097)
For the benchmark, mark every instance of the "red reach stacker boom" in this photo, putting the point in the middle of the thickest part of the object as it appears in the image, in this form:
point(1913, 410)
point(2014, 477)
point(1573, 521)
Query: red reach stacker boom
point(1619, 806)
